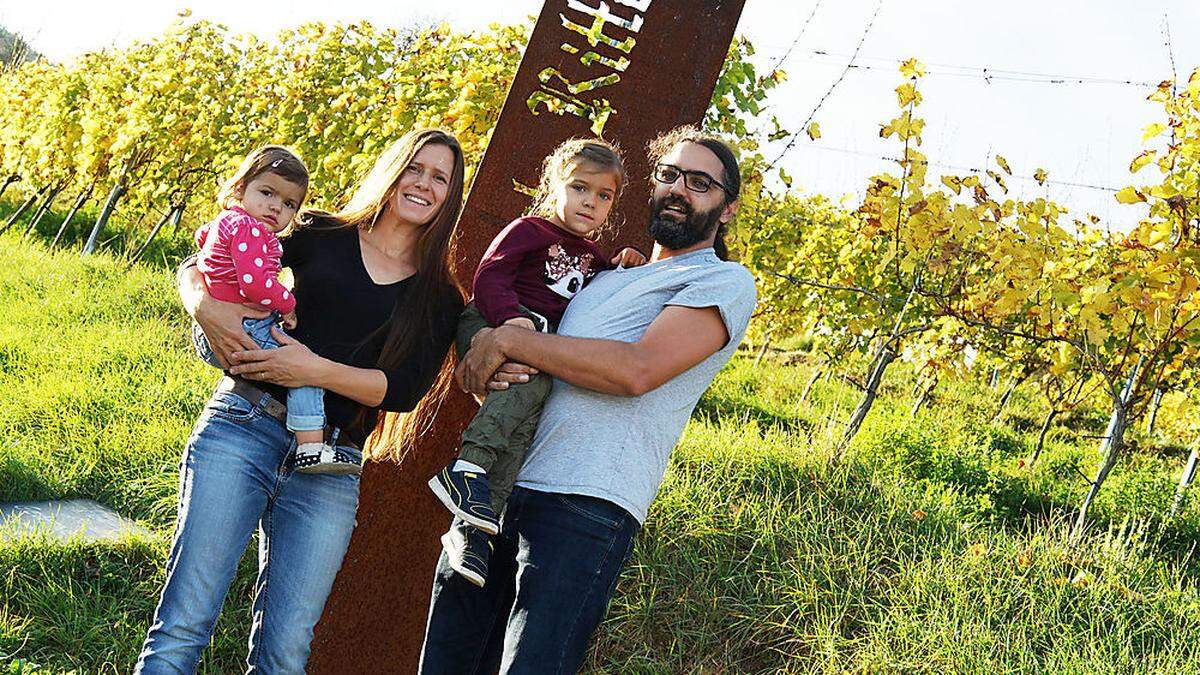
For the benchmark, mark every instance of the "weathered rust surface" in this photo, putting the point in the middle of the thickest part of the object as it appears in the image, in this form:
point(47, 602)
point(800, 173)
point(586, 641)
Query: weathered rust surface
point(665, 56)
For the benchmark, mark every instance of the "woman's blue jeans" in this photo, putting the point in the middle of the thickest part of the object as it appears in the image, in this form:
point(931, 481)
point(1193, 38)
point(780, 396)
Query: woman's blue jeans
point(235, 477)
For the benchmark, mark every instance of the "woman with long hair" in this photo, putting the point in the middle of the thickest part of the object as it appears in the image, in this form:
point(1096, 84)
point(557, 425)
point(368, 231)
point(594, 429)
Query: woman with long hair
point(376, 311)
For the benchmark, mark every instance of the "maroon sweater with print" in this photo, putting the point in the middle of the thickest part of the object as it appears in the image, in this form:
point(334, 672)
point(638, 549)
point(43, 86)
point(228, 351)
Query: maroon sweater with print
point(534, 263)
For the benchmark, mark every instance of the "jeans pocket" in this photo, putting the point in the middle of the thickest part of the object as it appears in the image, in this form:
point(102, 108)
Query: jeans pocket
point(229, 406)
point(586, 507)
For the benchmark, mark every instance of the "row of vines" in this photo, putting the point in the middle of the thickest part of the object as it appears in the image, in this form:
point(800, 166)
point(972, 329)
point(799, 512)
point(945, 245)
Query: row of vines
point(148, 131)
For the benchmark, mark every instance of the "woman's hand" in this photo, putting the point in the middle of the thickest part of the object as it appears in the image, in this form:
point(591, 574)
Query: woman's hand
point(220, 321)
point(290, 365)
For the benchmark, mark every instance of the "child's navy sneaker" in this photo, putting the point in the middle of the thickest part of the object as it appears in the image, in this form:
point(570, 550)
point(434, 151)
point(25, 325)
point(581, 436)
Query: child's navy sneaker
point(468, 550)
point(466, 494)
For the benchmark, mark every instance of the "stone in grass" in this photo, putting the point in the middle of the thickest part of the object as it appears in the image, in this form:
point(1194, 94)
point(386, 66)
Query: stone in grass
point(63, 520)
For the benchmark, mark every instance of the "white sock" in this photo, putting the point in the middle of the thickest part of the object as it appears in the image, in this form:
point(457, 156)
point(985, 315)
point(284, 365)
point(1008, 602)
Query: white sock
point(464, 465)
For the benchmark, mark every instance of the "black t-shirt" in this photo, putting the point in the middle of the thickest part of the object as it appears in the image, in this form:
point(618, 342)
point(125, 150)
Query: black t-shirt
point(339, 312)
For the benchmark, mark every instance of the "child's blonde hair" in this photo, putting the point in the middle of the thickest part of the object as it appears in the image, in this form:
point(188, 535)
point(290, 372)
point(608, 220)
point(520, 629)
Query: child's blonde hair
point(276, 159)
point(558, 165)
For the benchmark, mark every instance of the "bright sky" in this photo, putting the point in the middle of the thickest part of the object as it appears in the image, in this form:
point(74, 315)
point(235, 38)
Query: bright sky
point(1083, 133)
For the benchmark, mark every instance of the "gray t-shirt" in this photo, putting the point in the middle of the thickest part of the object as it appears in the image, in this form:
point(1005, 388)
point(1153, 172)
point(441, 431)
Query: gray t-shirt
point(616, 447)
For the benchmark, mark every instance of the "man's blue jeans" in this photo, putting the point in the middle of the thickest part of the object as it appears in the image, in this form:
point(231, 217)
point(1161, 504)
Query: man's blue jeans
point(305, 405)
point(552, 573)
point(234, 478)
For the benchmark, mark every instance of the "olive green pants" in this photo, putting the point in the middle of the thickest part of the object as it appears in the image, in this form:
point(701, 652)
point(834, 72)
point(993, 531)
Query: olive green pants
point(498, 436)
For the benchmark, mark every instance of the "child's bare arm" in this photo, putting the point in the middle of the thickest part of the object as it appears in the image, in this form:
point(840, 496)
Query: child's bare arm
point(629, 257)
point(520, 322)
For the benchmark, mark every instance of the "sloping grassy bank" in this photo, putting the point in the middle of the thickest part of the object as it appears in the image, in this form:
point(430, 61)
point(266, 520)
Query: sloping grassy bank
point(927, 548)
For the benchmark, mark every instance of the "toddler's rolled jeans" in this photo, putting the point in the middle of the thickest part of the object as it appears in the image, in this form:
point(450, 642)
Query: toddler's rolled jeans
point(305, 405)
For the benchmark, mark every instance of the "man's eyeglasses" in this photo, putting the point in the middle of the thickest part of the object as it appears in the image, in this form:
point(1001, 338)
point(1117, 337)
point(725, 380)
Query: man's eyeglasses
point(696, 181)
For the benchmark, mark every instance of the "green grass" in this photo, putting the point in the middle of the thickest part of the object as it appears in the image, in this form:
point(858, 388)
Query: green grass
point(928, 548)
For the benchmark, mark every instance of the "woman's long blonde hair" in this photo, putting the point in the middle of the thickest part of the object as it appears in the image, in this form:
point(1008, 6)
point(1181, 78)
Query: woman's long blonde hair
point(433, 291)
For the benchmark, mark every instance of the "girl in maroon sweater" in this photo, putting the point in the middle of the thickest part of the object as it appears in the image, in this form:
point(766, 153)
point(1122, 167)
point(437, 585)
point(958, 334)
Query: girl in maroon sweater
point(529, 273)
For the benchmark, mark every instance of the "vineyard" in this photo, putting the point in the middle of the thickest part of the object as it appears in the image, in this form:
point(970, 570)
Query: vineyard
point(150, 131)
point(1010, 364)
point(953, 275)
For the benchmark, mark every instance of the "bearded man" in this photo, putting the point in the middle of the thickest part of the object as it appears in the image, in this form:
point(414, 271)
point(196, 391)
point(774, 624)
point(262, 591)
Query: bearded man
point(634, 352)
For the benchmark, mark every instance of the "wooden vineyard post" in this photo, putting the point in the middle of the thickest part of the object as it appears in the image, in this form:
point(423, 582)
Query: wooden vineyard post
point(626, 70)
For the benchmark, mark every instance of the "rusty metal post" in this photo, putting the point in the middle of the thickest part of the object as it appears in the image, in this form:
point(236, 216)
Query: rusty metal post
point(623, 69)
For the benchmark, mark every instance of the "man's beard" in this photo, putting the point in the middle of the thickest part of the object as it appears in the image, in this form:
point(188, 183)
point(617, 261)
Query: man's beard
point(680, 234)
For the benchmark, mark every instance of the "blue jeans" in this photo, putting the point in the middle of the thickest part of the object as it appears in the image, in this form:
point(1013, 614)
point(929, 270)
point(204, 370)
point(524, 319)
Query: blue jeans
point(234, 478)
point(305, 405)
point(553, 570)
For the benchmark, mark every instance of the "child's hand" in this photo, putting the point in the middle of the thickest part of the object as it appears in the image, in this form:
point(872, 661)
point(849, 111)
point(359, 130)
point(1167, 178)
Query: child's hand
point(628, 257)
point(521, 322)
point(289, 320)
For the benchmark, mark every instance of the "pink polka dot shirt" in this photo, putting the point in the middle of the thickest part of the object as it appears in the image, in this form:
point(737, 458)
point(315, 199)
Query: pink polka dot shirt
point(239, 260)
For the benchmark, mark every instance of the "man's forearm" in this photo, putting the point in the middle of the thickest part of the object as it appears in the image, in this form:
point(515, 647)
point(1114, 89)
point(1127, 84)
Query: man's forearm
point(606, 366)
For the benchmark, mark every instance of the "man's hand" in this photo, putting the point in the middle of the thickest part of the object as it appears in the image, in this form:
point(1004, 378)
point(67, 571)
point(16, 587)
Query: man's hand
point(628, 257)
point(484, 358)
point(289, 320)
point(511, 373)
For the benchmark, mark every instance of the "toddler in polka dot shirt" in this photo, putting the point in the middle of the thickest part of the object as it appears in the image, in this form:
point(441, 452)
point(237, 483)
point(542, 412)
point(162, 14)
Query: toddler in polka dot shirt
point(239, 260)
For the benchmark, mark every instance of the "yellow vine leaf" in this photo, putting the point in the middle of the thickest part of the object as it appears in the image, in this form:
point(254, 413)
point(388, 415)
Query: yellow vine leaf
point(1164, 191)
point(998, 178)
point(1040, 176)
point(1142, 160)
point(904, 126)
point(1003, 164)
point(1162, 93)
point(1153, 130)
point(1128, 195)
point(814, 131)
point(1158, 234)
point(1008, 301)
point(907, 94)
point(912, 68)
